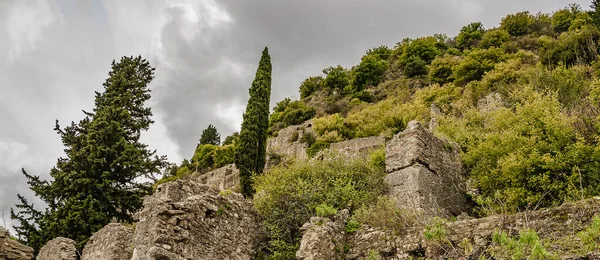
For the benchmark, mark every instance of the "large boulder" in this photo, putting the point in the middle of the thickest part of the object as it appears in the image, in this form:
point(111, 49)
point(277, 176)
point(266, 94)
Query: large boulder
point(425, 173)
point(323, 238)
point(112, 242)
point(185, 219)
point(11, 249)
point(59, 248)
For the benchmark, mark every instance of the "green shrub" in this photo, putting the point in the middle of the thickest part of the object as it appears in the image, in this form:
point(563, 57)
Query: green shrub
point(384, 214)
point(415, 67)
point(440, 70)
point(494, 38)
point(352, 226)
point(337, 78)
point(316, 148)
point(369, 72)
point(590, 237)
point(294, 137)
point(331, 123)
point(324, 210)
point(470, 35)
point(287, 197)
point(308, 138)
point(377, 158)
point(517, 24)
point(527, 246)
point(204, 156)
point(288, 112)
point(561, 20)
point(310, 85)
point(223, 155)
point(476, 64)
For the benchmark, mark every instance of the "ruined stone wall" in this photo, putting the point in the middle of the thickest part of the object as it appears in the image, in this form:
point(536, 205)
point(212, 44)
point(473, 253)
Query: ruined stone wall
point(359, 146)
point(185, 219)
point(285, 144)
point(13, 250)
point(227, 177)
point(465, 239)
point(425, 173)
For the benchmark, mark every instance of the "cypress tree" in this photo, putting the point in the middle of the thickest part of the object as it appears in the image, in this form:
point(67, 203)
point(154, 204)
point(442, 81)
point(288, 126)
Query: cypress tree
point(98, 181)
point(210, 135)
point(251, 150)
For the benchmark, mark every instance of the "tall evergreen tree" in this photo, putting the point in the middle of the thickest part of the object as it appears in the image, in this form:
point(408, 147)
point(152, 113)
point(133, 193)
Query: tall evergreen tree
point(251, 150)
point(210, 135)
point(99, 180)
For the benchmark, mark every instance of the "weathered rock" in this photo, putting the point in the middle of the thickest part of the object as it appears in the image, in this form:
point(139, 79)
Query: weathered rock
point(185, 219)
point(490, 102)
point(288, 141)
point(434, 112)
point(556, 224)
point(227, 177)
point(59, 248)
point(112, 242)
point(359, 146)
point(425, 173)
point(13, 250)
point(323, 238)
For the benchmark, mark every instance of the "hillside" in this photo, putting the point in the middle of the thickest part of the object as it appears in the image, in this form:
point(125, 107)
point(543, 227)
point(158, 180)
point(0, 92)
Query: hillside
point(485, 145)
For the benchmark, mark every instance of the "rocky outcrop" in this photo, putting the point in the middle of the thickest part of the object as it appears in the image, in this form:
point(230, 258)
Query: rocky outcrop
point(185, 219)
point(13, 250)
point(359, 146)
point(490, 102)
point(112, 242)
point(323, 238)
point(59, 248)
point(425, 173)
point(227, 177)
point(472, 238)
point(288, 141)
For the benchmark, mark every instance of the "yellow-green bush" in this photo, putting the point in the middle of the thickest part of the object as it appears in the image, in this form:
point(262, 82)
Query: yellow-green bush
point(384, 214)
point(286, 197)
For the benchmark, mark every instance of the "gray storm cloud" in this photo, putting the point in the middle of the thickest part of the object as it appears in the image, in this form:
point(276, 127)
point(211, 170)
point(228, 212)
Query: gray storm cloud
point(54, 54)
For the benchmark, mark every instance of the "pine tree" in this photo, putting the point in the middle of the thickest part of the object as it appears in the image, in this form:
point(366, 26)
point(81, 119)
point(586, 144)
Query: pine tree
point(99, 180)
point(210, 135)
point(251, 150)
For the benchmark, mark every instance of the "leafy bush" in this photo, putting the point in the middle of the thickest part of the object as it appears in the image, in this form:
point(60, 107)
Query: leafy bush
point(308, 138)
point(517, 24)
point(204, 156)
point(310, 85)
point(377, 158)
point(440, 70)
point(386, 215)
point(316, 148)
point(415, 66)
point(470, 35)
point(288, 112)
point(476, 64)
point(562, 19)
point(369, 72)
point(590, 237)
point(425, 49)
point(223, 155)
point(287, 197)
point(324, 210)
point(336, 78)
point(527, 246)
point(494, 38)
point(331, 123)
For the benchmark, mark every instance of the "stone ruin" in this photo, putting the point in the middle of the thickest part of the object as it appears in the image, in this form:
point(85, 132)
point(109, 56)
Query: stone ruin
point(425, 173)
point(11, 249)
point(224, 178)
point(288, 141)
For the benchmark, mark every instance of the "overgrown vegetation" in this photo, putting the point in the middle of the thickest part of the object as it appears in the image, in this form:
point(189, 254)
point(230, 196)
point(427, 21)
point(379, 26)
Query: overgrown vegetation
point(287, 197)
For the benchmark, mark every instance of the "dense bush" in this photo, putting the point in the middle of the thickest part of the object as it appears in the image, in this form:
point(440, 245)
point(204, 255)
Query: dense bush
point(336, 78)
point(440, 70)
point(288, 112)
point(369, 71)
point(494, 38)
point(476, 64)
point(287, 197)
point(310, 85)
point(384, 214)
point(517, 24)
point(470, 35)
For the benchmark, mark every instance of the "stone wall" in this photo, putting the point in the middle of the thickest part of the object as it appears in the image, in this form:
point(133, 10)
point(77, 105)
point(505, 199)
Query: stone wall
point(468, 239)
point(227, 177)
point(112, 242)
point(359, 146)
point(287, 142)
point(13, 250)
point(425, 173)
point(59, 248)
point(185, 219)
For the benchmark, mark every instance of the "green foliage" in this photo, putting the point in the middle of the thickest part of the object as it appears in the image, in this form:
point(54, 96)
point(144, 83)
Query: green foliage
point(352, 226)
point(382, 52)
point(324, 210)
point(525, 157)
point(223, 155)
point(369, 71)
point(331, 123)
point(527, 246)
point(470, 35)
point(440, 70)
point(476, 64)
point(517, 24)
point(336, 78)
point(573, 47)
point(415, 67)
point(308, 138)
point(561, 20)
point(310, 85)
point(204, 157)
point(315, 148)
point(377, 158)
point(287, 197)
point(494, 38)
point(95, 181)
point(231, 139)
point(210, 135)
point(251, 152)
point(384, 214)
point(436, 230)
point(288, 112)
point(590, 237)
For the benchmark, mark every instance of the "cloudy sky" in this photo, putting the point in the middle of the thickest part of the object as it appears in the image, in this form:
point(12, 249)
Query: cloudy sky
point(55, 53)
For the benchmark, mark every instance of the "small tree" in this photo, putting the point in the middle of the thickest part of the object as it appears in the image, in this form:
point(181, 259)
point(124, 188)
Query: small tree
point(470, 35)
point(210, 135)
